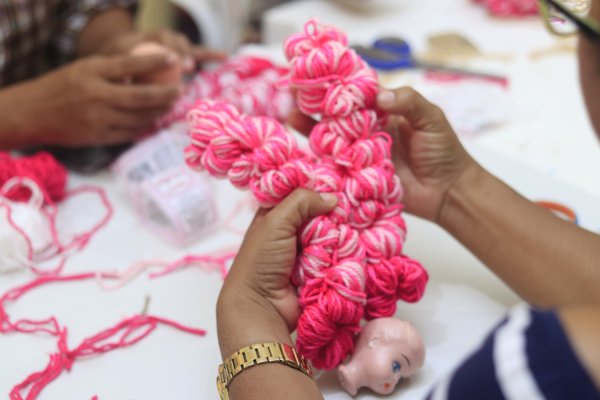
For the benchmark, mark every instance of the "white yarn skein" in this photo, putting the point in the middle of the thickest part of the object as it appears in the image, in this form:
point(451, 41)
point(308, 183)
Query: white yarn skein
point(30, 219)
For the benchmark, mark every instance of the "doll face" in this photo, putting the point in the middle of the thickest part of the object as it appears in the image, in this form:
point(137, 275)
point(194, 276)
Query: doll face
point(390, 363)
point(387, 350)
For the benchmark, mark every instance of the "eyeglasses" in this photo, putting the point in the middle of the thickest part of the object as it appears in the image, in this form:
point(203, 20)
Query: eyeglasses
point(567, 17)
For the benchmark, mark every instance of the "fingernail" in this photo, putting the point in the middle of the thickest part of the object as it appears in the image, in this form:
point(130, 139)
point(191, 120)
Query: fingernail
point(385, 98)
point(329, 198)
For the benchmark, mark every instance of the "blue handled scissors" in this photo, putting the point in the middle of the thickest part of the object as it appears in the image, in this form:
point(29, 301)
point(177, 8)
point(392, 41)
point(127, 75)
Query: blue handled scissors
point(393, 53)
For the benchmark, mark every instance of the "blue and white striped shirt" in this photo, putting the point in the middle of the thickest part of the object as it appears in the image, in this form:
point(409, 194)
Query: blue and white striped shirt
point(526, 357)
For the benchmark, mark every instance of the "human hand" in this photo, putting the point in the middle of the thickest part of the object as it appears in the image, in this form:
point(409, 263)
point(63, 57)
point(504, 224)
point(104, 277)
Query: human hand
point(426, 152)
point(261, 271)
point(190, 54)
point(89, 102)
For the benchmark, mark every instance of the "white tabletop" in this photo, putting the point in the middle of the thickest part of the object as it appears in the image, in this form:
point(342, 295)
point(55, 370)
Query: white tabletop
point(463, 300)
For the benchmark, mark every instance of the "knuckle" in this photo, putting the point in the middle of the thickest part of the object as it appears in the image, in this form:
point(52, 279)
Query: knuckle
point(436, 111)
point(306, 194)
point(409, 93)
point(300, 195)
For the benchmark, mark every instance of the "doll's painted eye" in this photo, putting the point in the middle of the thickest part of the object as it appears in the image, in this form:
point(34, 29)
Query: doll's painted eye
point(396, 367)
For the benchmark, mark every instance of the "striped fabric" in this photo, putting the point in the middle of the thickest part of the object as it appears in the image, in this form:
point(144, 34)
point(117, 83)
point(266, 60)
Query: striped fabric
point(526, 357)
point(36, 35)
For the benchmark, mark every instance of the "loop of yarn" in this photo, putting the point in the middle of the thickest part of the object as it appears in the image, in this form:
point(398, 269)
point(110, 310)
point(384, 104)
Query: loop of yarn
point(350, 265)
point(30, 236)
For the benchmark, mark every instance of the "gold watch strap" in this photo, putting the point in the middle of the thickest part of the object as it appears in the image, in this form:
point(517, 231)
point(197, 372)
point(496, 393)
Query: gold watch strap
point(256, 354)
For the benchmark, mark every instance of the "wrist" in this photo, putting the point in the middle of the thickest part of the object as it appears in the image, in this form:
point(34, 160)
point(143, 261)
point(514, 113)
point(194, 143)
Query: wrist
point(245, 318)
point(460, 192)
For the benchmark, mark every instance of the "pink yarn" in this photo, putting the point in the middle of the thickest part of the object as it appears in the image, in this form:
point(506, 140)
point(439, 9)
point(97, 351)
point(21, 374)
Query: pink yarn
point(350, 265)
point(251, 84)
point(42, 168)
point(510, 8)
point(124, 334)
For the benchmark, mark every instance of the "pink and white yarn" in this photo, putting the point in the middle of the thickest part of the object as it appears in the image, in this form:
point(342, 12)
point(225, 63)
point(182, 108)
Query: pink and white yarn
point(350, 265)
point(249, 83)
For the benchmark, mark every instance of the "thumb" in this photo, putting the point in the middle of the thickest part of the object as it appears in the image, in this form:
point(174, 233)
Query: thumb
point(418, 111)
point(301, 205)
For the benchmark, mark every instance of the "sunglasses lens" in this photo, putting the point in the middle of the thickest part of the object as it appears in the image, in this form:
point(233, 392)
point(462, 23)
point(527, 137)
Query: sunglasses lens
point(560, 23)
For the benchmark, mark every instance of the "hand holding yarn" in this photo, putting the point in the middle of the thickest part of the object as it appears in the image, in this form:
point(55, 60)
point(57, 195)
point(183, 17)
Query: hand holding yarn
point(351, 264)
point(87, 103)
point(427, 154)
point(263, 266)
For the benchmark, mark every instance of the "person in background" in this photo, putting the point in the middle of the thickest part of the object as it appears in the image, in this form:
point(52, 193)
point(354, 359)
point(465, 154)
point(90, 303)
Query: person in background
point(65, 73)
point(548, 350)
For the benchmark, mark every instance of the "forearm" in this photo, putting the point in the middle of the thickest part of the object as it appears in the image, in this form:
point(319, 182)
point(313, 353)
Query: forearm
point(241, 322)
point(547, 261)
point(102, 29)
point(16, 125)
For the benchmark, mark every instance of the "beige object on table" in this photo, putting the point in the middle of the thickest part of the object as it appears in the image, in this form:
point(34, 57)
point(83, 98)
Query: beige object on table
point(449, 47)
point(562, 46)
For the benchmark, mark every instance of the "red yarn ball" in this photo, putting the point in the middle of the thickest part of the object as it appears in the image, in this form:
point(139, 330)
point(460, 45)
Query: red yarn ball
point(42, 168)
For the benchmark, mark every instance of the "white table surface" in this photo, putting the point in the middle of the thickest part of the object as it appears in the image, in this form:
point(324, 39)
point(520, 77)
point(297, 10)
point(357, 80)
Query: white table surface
point(547, 153)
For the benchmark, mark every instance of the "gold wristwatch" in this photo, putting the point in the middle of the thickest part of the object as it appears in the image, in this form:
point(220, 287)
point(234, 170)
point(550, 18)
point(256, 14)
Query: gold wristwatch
point(256, 354)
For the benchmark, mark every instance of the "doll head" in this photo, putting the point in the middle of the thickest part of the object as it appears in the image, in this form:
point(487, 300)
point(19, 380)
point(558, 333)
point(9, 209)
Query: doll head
point(387, 350)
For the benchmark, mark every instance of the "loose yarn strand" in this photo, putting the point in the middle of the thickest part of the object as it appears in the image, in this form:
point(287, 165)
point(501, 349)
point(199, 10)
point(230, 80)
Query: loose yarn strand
point(124, 334)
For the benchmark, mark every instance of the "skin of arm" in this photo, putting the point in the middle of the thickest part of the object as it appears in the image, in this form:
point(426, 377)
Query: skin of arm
point(13, 132)
point(549, 262)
